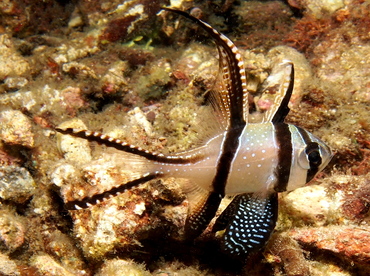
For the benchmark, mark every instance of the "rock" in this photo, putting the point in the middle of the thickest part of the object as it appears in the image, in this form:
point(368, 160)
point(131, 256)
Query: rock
point(130, 19)
point(8, 267)
point(286, 251)
point(16, 128)
point(342, 199)
point(341, 65)
point(75, 150)
point(11, 63)
point(318, 8)
point(302, 69)
point(15, 83)
point(47, 266)
point(63, 249)
point(309, 205)
point(349, 243)
point(123, 221)
point(122, 267)
point(178, 268)
point(16, 184)
point(12, 231)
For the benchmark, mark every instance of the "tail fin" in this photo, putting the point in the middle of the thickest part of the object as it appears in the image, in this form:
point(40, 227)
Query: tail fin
point(138, 160)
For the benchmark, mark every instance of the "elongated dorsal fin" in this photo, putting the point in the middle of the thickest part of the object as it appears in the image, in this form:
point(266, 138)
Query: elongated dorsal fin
point(231, 100)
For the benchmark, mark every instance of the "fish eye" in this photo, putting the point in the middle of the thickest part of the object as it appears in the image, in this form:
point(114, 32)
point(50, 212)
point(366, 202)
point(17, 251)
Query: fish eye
point(313, 154)
point(314, 158)
point(310, 156)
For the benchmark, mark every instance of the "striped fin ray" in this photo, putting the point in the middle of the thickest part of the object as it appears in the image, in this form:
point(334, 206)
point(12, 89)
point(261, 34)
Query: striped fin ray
point(280, 84)
point(123, 146)
point(234, 91)
point(250, 221)
point(232, 100)
point(98, 198)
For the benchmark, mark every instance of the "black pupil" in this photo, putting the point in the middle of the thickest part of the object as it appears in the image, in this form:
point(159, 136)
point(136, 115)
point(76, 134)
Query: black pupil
point(313, 154)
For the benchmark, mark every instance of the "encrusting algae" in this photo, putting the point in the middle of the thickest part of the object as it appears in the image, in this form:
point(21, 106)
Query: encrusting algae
point(80, 69)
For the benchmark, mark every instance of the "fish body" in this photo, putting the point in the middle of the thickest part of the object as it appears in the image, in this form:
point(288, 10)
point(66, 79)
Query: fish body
point(253, 161)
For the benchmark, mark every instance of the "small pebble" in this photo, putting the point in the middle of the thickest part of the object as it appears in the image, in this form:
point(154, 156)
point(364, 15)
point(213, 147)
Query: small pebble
point(12, 231)
point(8, 267)
point(47, 266)
point(75, 150)
point(122, 267)
point(16, 184)
point(16, 128)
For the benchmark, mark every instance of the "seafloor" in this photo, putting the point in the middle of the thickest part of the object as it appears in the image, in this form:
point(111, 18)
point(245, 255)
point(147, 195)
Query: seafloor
point(122, 68)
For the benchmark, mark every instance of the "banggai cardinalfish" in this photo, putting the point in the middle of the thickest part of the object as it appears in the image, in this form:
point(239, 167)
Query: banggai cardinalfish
point(253, 161)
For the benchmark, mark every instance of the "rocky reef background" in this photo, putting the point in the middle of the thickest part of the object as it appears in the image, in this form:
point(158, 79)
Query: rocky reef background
point(124, 69)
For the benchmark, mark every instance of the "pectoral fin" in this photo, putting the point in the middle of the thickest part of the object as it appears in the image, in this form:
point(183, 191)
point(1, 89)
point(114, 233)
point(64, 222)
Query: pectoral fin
point(250, 221)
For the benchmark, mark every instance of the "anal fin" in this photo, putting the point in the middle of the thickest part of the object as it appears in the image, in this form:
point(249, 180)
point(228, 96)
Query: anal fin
point(250, 221)
point(203, 206)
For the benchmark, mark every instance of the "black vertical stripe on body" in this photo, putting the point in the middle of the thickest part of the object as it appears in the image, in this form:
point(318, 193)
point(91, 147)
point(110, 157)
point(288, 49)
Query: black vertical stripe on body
point(233, 99)
point(229, 148)
point(232, 59)
point(284, 141)
point(196, 223)
point(228, 151)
